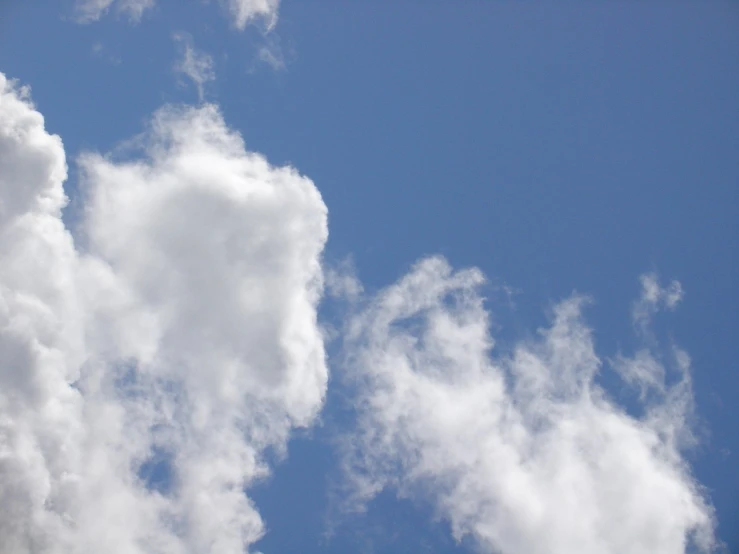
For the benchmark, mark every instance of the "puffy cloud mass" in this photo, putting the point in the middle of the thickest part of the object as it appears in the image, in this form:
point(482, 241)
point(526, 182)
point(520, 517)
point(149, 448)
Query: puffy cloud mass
point(147, 362)
point(522, 452)
point(149, 359)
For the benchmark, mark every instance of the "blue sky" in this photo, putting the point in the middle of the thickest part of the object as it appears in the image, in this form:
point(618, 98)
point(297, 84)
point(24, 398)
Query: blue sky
point(559, 147)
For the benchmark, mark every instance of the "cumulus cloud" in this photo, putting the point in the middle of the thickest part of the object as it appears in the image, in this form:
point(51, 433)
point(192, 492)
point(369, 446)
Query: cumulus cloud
point(149, 359)
point(524, 452)
point(88, 11)
point(147, 362)
point(41, 339)
point(194, 64)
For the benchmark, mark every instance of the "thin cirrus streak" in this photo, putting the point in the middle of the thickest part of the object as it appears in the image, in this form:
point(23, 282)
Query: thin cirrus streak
point(525, 454)
point(147, 362)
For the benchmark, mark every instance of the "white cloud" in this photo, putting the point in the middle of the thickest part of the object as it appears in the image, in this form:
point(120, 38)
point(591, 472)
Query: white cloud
point(271, 54)
point(92, 10)
point(653, 298)
point(342, 281)
point(194, 64)
point(104, 53)
point(523, 453)
point(242, 12)
point(246, 11)
point(182, 334)
point(41, 345)
point(180, 330)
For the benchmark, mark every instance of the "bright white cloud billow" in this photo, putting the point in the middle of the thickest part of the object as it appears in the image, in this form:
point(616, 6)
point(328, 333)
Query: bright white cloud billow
point(41, 335)
point(524, 453)
point(143, 374)
point(149, 361)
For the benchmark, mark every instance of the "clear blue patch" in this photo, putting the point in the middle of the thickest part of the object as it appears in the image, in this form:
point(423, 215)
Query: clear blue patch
point(158, 472)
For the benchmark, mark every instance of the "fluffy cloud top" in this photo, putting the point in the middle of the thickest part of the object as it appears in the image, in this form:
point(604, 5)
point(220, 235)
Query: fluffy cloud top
point(144, 370)
point(149, 360)
point(524, 453)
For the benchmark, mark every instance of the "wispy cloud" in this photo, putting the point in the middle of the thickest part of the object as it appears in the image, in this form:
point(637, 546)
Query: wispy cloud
point(176, 331)
point(88, 11)
point(524, 453)
point(102, 52)
point(241, 12)
point(244, 12)
point(194, 64)
point(271, 54)
point(653, 298)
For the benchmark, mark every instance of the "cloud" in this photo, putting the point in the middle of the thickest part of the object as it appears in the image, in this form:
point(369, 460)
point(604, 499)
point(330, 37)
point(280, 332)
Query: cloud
point(271, 54)
point(241, 12)
point(88, 11)
point(653, 298)
point(105, 54)
point(246, 11)
point(194, 64)
point(40, 331)
point(148, 362)
point(523, 453)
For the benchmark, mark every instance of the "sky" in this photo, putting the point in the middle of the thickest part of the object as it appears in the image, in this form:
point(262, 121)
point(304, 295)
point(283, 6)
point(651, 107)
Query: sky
point(363, 276)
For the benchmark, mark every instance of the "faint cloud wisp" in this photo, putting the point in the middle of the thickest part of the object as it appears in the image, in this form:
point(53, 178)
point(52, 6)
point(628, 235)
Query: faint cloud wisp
point(194, 64)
